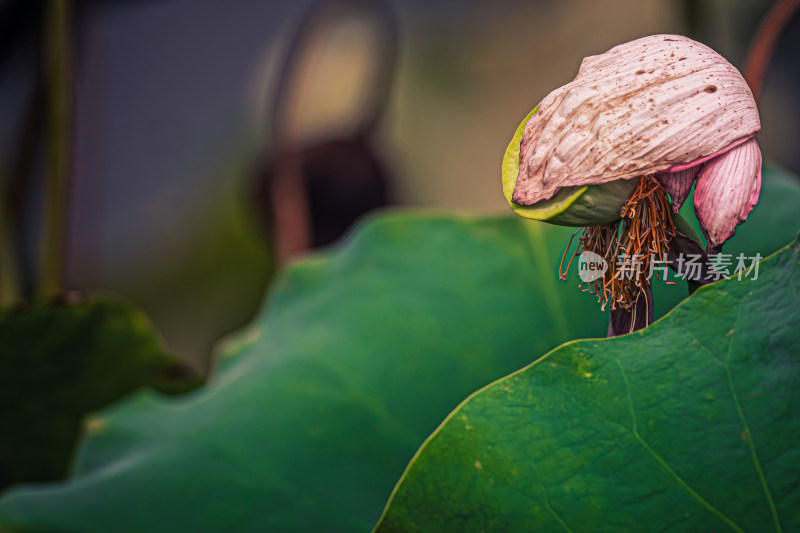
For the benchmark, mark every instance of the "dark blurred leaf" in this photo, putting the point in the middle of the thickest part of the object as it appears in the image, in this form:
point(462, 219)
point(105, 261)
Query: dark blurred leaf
point(690, 425)
point(57, 363)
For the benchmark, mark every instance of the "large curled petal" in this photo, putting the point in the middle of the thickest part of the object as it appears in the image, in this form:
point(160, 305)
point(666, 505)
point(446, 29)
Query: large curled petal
point(726, 191)
point(678, 184)
point(642, 107)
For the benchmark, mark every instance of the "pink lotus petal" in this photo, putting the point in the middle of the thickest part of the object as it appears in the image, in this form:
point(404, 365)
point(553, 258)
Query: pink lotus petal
point(678, 184)
point(642, 107)
point(684, 166)
point(726, 191)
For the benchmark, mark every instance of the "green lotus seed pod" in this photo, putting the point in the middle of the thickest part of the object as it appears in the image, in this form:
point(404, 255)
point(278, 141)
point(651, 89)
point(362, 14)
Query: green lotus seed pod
point(588, 205)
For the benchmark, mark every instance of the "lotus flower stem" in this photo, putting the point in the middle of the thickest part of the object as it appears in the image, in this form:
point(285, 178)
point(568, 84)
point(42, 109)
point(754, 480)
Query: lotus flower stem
point(764, 42)
point(9, 281)
point(643, 233)
point(59, 143)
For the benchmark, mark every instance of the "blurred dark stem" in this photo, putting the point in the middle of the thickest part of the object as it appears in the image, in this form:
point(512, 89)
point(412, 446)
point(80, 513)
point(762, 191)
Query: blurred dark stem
point(57, 66)
point(9, 283)
point(760, 53)
point(308, 195)
point(19, 185)
point(291, 215)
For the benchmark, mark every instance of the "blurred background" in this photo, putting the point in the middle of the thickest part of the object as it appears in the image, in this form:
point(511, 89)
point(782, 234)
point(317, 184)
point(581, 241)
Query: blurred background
point(192, 118)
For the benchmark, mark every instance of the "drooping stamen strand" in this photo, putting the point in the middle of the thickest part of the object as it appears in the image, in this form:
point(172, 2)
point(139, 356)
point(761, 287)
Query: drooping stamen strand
point(629, 246)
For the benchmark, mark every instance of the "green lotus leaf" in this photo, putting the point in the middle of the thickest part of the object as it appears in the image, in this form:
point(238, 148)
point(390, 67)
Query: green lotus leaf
point(59, 362)
point(692, 424)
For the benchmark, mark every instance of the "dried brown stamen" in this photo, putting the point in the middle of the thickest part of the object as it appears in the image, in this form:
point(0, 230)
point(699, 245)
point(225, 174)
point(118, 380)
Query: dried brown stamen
point(629, 247)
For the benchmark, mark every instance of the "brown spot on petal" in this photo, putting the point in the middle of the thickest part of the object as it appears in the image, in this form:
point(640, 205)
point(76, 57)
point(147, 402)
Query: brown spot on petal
point(711, 89)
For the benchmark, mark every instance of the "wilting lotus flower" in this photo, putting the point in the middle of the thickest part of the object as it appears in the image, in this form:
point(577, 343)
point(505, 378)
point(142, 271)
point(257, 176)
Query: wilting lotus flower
point(646, 118)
